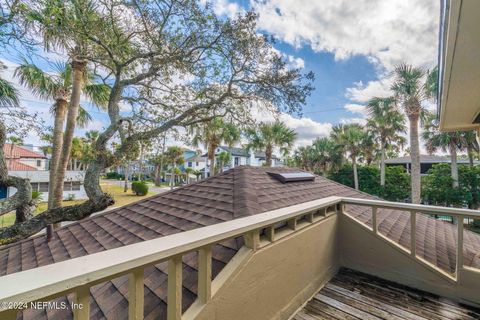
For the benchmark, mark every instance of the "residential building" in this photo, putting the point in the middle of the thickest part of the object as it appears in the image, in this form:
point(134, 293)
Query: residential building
point(252, 243)
point(196, 162)
point(24, 162)
point(242, 157)
point(426, 162)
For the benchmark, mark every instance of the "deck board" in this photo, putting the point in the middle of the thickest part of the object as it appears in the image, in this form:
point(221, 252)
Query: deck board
point(355, 295)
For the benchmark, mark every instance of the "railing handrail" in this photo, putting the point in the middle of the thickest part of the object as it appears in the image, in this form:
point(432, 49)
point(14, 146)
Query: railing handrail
point(413, 207)
point(66, 276)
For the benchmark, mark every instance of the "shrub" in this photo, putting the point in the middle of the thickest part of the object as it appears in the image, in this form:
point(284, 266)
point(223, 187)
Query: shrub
point(140, 188)
point(114, 175)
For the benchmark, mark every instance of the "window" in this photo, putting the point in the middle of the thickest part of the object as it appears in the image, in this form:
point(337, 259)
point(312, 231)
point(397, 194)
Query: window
point(43, 187)
point(189, 164)
point(39, 163)
point(76, 185)
point(196, 163)
point(34, 186)
point(237, 161)
point(67, 186)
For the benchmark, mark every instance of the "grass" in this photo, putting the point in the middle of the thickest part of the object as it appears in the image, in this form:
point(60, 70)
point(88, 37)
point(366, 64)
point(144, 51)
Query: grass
point(121, 199)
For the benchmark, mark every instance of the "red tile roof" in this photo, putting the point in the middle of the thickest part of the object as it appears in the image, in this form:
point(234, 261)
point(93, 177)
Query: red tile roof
point(20, 152)
point(235, 193)
point(15, 165)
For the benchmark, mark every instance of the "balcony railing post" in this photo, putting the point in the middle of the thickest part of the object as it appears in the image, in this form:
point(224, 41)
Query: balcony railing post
point(252, 239)
point(135, 295)
point(310, 217)
point(82, 300)
point(270, 232)
point(413, 234)
point(374, 220)
point(459, 266)
point(174, 294)
point(292, 224)
point(205, 274)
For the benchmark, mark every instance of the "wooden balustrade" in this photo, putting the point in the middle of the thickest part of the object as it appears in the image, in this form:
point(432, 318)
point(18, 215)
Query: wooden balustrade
point(80, 274)
point(413, 209)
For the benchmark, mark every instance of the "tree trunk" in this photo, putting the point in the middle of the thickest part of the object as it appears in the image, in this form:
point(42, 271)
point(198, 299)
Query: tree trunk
point(172, 176)
point(125, 177)
point(78, 68)
point(57, 143)
point(355, 173)
point(158, 178)
point(470, 154)
point(415, 160)
point(382, 166)
point(453, 165)
point(268, 156)
point(211, 158)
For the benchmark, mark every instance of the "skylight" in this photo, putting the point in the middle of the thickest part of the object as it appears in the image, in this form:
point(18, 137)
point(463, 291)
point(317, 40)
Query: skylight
point(292, 176)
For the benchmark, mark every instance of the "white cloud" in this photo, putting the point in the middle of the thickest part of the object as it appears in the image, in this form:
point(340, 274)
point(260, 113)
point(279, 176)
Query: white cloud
point(224, 8)
point(297, 63)
point(361, 121)
point(307, 129)
point(362, 93)
point(355, 108)
point(385, 31)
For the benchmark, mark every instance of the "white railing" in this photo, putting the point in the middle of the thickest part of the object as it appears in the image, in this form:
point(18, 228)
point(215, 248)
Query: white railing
point(413, 209)
point(80, 274)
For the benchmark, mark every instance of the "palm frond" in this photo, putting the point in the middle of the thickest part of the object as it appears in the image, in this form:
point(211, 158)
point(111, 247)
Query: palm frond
point(8, 94)
point(40, 83)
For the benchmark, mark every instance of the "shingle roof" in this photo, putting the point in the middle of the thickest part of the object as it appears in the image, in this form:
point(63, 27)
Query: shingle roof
point(15, 165)
point(235, 193)
point(244, 153)
point(20, 152)
point(426, 159)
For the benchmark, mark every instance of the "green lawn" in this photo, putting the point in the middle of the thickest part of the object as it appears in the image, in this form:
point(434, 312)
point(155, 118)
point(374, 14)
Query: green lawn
point(121, 199)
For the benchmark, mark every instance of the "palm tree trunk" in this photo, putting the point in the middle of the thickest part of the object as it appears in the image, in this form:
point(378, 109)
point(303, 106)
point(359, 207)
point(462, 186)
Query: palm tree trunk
point(78, 68)
point(415, 159)
point(211, 158)
point(57, 143)
point(125, 178)
point(157, 176)
point(454, 165)
point(382, 166)
point(470, 154)
point(268, 156)
point(355, 173)
point(172, 177)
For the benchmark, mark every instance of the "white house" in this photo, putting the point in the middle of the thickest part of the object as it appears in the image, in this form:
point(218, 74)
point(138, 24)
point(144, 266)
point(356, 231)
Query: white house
point(241, 157)
point(196, 162)
point(24, 162)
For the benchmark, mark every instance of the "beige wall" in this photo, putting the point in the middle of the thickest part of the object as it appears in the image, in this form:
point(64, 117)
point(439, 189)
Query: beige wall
point(278, 279)
point(361, 250)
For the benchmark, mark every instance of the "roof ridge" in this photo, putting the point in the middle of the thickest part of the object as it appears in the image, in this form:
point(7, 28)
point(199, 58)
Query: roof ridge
point(245, 196)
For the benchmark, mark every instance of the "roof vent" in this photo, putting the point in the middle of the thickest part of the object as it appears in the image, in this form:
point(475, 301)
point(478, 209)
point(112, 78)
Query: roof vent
point(292, 176)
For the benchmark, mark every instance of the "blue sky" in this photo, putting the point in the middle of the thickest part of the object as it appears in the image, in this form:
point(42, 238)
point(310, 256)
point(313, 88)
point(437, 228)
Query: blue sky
point(351, 46)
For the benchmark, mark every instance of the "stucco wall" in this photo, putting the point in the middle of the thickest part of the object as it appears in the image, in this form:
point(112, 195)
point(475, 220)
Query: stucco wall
point(277, 279)
point(361, 250)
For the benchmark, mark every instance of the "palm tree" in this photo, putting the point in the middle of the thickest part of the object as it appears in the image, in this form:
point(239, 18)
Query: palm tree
point(223, 158)
point(471, 144)
point(8, 93)
point(188, 172)
point(174, 155)
point(324, 154)
point(386, 123)
point(58, 87)
point(14, 141)
point(351, 140)
point(212, 134)
point(446, 141)
point(270, 136)
point(409, 93)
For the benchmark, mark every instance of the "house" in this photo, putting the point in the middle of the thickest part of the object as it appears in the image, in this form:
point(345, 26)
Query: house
point(251, 243)
point(24, 162)
point(241, 157)
point(196, 162)
point(426, 162)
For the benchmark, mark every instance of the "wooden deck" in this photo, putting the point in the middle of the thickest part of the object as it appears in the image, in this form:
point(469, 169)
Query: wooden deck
point(354, 295)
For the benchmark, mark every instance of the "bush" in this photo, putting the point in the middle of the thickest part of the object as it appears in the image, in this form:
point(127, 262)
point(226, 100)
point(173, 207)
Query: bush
point(114, 175)
point(140, 188)
point(397, 181)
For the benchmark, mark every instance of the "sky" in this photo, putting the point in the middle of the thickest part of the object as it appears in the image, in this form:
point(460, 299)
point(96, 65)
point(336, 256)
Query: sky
point(351, 46)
